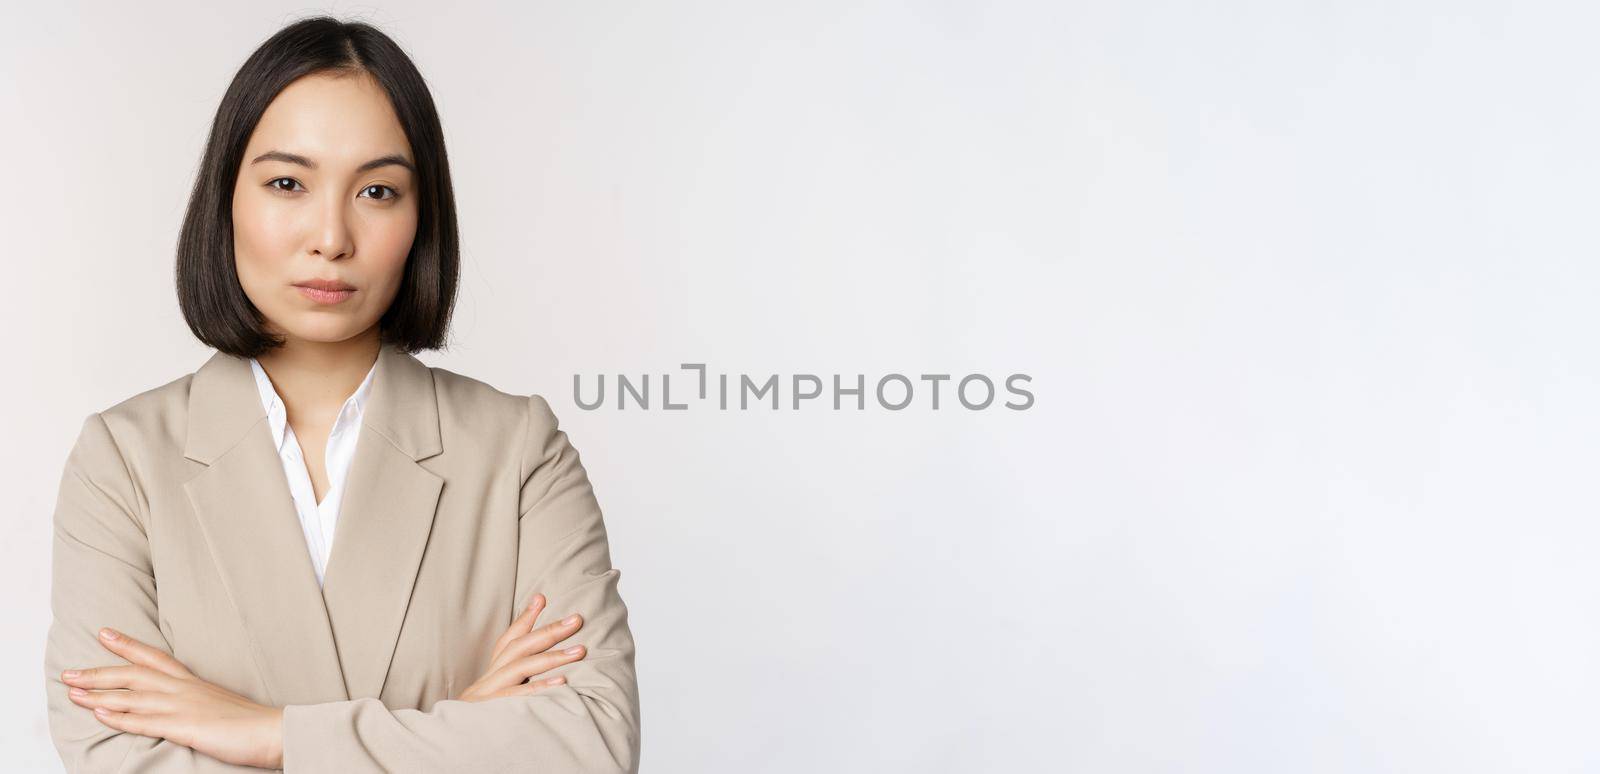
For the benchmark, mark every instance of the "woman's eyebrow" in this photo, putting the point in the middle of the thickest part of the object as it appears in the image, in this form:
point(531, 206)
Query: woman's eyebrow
point(295, 158)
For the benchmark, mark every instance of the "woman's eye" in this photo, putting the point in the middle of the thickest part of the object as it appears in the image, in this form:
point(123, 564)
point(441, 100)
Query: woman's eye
point(378, 191)
point(277, 184)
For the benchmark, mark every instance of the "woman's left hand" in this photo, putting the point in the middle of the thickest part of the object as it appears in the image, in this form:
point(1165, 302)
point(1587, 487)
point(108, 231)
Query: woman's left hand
point(163, 699)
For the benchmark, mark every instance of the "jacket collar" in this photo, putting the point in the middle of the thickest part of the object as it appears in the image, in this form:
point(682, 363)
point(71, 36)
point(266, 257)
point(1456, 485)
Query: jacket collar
point(335, 642)
point(348, 418)
point(224, 403)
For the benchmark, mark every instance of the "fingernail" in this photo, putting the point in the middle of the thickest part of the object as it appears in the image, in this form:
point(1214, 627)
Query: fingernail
point(101, 711)
point(107, 634)
point(555, 681)
point(78, 692)
point(574, 650)
point(69, 674)
point(570, 620)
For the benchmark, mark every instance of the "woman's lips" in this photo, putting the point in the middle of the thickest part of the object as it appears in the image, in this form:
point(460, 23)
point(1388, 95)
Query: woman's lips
point(324, 296)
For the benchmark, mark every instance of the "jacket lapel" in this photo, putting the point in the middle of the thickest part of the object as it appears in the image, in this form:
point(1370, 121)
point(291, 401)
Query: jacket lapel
point(334, 643)
point(384, 520)
point(248, 520)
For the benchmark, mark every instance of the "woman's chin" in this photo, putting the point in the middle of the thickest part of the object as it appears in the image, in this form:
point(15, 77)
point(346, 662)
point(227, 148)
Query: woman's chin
point(322, 332)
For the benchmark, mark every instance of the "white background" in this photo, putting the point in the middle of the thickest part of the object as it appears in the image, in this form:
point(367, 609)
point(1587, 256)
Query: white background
point(1306, 291)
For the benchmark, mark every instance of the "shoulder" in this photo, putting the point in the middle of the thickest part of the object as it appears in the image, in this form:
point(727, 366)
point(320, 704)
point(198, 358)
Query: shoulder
point(526, 429)
point(466, 394)
point(162, 400)
point(472, 402)
point(112, 440)
point(156, 415)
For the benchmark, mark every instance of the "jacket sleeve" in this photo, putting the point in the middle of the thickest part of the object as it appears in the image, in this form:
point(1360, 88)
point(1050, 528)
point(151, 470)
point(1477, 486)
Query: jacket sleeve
point(100, 576)
point(590, 723)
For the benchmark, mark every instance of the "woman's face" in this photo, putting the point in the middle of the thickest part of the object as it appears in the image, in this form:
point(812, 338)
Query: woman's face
point(326, 192)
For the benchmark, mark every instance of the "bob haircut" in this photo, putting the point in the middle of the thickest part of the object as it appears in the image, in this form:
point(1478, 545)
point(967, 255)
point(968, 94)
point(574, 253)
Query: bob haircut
point(213, 301)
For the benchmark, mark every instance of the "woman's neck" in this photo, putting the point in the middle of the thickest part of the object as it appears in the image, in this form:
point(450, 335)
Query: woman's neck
point(314, 378)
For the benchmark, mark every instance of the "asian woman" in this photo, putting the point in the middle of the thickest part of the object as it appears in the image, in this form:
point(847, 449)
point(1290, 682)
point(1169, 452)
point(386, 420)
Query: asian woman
point(315, 553)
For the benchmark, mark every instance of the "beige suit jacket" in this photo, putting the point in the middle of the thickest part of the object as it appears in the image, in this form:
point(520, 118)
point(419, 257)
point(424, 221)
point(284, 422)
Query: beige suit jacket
point(175, 525)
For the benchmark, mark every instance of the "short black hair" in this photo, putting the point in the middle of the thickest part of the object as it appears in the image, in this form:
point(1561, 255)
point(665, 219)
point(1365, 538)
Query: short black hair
point(213, 302)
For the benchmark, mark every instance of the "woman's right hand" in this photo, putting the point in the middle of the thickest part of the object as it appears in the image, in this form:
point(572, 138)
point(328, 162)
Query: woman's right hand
point(520, 654)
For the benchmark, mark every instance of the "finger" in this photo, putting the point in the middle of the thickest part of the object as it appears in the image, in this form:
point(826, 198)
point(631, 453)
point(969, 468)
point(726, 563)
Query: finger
point(540, 640)
point(529, 666)
point(133, 723)
point(515, 672)
point(122, 701)
point(141, 653)
point(136, 677)
point(518, 627)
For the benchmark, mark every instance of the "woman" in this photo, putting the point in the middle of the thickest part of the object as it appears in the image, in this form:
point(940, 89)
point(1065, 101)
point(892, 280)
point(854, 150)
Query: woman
point(316, 553)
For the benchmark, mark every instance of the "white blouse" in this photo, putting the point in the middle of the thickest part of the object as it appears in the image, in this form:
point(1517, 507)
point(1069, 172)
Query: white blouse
point(316, 519)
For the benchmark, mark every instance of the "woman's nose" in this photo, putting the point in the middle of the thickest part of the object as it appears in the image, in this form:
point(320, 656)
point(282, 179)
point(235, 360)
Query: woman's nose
point(331, 236)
